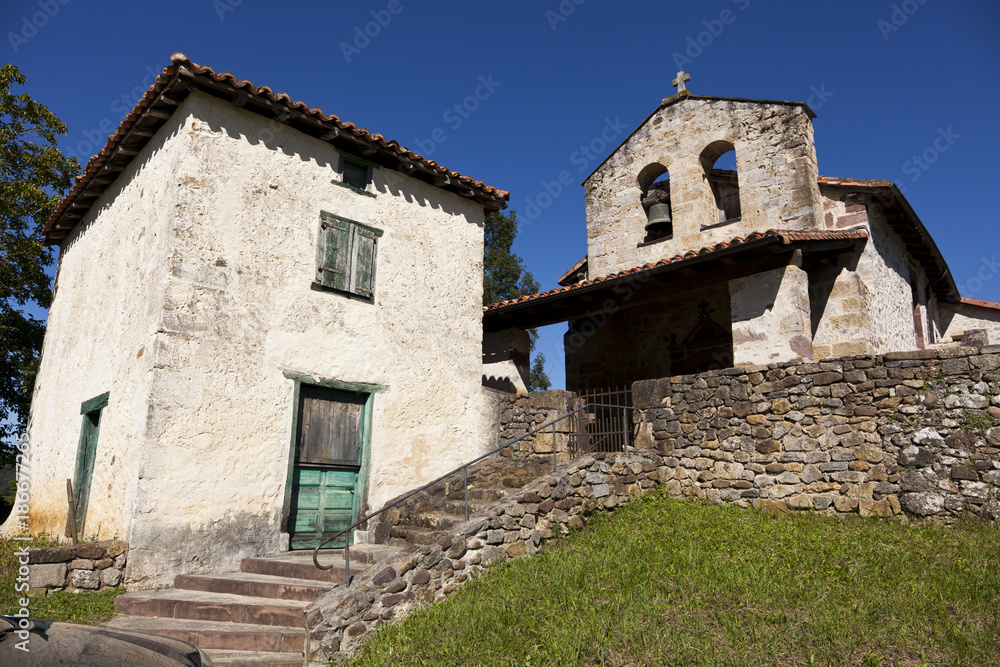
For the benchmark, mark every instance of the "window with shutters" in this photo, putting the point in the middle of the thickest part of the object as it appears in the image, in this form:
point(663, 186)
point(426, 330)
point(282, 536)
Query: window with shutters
point(345, 255)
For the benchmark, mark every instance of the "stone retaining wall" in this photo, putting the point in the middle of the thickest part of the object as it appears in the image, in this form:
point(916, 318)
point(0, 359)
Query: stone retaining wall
point(915, 432)
point(84, 567)
point(511, 528)
point(523, 413)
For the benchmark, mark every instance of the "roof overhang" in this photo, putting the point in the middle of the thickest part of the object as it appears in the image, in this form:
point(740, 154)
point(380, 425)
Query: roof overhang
point(721, 263)
point(181, 78)
point(979, 303)
point(906, 223)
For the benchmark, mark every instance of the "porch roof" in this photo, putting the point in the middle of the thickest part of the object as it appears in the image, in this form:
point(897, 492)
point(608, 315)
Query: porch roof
point(741, 256)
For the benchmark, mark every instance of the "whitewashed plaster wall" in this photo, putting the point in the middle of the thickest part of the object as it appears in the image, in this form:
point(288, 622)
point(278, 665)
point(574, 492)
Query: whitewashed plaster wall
point(189, 293)
point(775, 161)
point(770, 317)
point(885, 269)
point(239, 309)
point(506, 357)
point(964, 317)
point(104, 315)
point(871, 307)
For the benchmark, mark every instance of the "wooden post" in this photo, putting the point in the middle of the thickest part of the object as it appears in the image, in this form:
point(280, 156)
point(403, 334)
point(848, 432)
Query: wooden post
point(71, 517)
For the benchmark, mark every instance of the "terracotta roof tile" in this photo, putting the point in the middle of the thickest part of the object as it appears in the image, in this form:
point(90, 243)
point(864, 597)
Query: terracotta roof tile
point(573, 269)
point(785, 235)
point(854, 182)
point(980, 303)
point(240, 88)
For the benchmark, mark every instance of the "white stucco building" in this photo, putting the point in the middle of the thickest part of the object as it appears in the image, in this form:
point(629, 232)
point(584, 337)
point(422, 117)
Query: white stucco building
point(269, 320)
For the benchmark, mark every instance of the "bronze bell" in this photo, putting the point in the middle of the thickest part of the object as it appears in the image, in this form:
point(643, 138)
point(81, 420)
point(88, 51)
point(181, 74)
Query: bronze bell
point(659, 214)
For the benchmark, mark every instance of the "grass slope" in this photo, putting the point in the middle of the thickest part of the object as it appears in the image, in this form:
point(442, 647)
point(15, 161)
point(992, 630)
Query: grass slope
point(91, 608)
point(668, 582)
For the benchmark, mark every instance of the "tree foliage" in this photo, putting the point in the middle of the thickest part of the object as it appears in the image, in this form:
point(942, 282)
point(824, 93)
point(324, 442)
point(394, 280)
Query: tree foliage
point(504, 277)
point(33, 177)
point(537, 377)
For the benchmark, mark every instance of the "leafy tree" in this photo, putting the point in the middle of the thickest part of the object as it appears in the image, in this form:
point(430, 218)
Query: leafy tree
point(537, 377)
point(504, 277)
point(33, 177)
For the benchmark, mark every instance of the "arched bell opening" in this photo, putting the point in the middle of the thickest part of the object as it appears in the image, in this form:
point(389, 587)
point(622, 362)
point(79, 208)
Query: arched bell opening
point(654, 184)
point(719, 163)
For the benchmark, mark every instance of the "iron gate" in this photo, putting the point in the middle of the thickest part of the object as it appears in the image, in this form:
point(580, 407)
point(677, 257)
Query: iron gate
point(604, 427)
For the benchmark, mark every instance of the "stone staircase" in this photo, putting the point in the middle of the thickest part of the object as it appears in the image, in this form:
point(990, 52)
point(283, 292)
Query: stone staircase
point(251, 617)
point(255, 617)
point(421, 519)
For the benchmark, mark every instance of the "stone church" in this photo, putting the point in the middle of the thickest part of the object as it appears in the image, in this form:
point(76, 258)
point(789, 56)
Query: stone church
point(693, 265)
point(266, 322)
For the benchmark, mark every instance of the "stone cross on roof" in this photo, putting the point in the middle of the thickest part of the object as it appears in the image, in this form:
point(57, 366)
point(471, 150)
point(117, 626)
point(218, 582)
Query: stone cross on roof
point(682, 77)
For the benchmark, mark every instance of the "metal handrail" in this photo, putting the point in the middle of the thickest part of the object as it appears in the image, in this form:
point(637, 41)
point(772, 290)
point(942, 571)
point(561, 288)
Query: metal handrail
point(464, 469)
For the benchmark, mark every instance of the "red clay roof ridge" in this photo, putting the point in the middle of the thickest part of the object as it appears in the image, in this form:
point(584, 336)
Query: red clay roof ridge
point(969, 301)
point(179, 60)
point(786, 235)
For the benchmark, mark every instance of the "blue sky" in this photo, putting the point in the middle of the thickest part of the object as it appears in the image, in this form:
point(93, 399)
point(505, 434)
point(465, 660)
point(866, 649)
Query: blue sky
point(904, 90)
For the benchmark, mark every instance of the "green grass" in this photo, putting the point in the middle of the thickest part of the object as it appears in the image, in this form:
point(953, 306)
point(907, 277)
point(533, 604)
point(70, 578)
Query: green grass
point(91, 608)
point(667, 582)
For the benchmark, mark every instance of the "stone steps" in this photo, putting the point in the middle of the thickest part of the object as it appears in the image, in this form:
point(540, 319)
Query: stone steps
point(299, 564)
point(438, 520)
point(254, 617)
point(254, 585)
point(420, 519)
point(208, 606)
point(255, 659)
point(407, 534)
point(251, 617)
point(218, 635)
point(457, 507)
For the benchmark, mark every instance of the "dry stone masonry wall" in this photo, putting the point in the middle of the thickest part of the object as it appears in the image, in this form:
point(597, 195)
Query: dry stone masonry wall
point(520, 414)
point(93, 566)
point(511, 528)
point(915, 432)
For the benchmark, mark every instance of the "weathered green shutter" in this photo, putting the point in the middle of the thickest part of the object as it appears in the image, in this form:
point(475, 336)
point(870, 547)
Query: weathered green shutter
point(334, 252)
point(364, 261)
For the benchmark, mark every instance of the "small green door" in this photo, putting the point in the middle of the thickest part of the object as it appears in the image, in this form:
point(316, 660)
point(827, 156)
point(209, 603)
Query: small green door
point(86, 455)
point(327, 462)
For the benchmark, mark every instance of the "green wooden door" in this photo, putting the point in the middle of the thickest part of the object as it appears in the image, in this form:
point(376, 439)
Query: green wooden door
point(324, 505)
point(85, 457)
point(328, 461)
